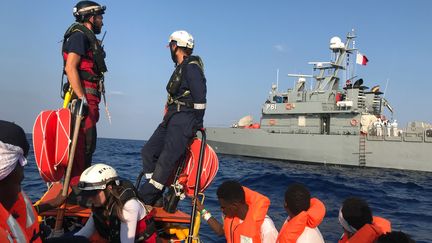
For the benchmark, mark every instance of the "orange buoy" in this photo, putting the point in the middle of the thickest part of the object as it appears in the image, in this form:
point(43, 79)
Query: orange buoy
point(51, 140)
point(210, 166)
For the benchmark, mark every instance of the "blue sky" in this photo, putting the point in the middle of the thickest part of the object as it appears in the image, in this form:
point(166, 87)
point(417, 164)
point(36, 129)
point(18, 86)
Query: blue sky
point(242, 43)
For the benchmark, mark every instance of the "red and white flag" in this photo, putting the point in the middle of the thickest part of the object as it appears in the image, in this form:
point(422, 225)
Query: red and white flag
point(361, 59)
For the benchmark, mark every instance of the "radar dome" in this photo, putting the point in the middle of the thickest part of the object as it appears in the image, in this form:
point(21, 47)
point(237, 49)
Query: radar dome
point(336, 43)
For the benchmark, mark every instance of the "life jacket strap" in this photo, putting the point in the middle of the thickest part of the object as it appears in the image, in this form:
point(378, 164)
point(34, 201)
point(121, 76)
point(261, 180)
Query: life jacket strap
point(84, 75)
point(93, 91)
point(191, 105)
point(149, 231)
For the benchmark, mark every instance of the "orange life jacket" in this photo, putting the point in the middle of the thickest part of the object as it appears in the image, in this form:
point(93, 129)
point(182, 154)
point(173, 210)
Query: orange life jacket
point(369, 233)
point(27, 217)
point(293, 228)
point(11, 229)
point(251, 226)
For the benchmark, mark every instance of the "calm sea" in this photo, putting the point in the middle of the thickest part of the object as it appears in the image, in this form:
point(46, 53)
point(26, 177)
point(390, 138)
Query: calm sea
point(403, 197)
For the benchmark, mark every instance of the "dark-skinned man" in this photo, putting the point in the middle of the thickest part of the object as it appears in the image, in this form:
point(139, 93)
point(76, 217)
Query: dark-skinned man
point(245, 215)
point(18, 217)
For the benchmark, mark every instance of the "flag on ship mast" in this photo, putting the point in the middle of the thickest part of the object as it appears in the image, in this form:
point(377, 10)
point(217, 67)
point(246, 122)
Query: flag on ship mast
point(361, 59)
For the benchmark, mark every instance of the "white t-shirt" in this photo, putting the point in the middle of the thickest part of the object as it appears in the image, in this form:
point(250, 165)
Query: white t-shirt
point(269, 232)
point(133, 211)
point(311, 235)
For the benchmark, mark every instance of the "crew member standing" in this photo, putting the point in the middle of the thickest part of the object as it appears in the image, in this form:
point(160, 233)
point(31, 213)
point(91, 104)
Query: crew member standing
point(84, 66)
point(185, 109)
point(394, 126)
point(378, 125)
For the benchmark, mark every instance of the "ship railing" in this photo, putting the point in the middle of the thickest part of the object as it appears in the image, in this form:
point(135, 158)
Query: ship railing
point(417, 137)
point(428, 135)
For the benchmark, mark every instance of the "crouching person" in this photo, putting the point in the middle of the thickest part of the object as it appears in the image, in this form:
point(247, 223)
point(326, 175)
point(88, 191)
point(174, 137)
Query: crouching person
point(118, 215)
point(304, 216)
point(359, 225)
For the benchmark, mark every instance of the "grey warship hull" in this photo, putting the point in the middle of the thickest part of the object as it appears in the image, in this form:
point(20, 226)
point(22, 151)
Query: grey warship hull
point(381, 152)
point(333, 122)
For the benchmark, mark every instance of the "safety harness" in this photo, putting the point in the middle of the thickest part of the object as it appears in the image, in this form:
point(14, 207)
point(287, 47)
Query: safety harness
point(177, 78)
point(107, 221)
point(97, 58)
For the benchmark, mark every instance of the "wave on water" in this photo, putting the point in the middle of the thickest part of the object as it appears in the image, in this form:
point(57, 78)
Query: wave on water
point(403, 197)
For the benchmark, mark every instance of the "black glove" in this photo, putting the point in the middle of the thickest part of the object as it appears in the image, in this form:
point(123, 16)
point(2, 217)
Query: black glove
point(85, 109)
point(199, 114)
point(199, 125)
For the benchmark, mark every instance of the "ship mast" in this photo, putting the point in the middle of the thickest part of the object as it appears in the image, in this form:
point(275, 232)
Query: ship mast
point(340, 51)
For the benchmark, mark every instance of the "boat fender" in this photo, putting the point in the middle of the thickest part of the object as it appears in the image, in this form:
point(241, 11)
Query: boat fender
point(354, 122)
point(289, 106)
point(210, 167)
point(51, 143)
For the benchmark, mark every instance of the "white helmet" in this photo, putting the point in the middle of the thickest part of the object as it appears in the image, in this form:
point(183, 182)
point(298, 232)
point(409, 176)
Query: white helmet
point(183, 39)
point(97, 176)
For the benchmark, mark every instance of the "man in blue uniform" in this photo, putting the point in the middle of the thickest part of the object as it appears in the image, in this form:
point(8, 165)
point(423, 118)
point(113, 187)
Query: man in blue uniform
point(184, 115)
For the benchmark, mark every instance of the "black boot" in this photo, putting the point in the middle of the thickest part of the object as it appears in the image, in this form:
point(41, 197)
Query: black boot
point(150, 194)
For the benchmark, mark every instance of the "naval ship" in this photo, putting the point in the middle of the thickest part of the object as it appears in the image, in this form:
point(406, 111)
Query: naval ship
point(333, 122)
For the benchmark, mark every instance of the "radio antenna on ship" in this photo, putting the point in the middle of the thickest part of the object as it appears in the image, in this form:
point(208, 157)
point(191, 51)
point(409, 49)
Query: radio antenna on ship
point(277, 79)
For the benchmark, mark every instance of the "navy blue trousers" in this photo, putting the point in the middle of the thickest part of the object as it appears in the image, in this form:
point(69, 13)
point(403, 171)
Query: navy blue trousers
point(167, 145)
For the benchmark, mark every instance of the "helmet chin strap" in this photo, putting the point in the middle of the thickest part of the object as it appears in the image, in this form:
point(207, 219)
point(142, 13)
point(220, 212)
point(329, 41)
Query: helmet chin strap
point(108, 199)
point(174, 56)
point(96, 30)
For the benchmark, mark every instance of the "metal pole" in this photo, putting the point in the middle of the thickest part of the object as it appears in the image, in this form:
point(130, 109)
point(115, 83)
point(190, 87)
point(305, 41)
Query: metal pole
point(197, 184)
point(61, 210)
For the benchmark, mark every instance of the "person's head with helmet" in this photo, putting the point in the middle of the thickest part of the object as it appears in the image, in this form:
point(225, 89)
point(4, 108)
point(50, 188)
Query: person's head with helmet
point(96, 184)
point(181, 45)
point(115, 205)
point(90, 14)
